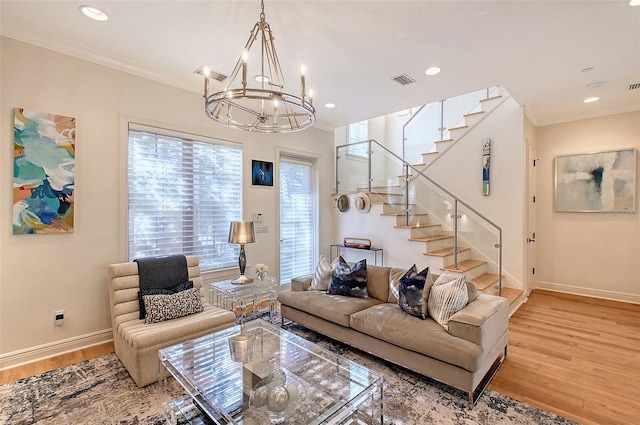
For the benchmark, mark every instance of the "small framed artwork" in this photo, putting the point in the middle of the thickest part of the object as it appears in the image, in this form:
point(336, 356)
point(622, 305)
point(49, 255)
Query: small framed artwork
point(596, 182)
point(261, 173)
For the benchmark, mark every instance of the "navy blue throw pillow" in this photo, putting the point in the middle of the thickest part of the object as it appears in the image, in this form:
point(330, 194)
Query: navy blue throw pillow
point(160, 291)
point(348, 281)
point(414, 290)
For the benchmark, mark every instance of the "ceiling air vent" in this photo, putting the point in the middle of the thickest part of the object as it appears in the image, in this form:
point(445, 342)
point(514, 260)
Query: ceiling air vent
point(634, 86)
point(404, 79)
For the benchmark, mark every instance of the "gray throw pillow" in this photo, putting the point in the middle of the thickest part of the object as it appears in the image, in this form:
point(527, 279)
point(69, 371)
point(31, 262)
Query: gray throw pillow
point(322, 276)
point(160, 291)
point(447, 297)
point(166, 307)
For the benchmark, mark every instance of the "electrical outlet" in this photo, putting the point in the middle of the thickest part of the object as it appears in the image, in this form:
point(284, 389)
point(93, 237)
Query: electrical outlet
point(59, 317)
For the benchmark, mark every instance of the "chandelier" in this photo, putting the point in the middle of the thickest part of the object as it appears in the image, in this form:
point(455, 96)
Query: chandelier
point(264, 105)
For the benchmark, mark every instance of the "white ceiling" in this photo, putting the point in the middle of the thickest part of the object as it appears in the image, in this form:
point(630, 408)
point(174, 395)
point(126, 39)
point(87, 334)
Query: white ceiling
point(535, 49)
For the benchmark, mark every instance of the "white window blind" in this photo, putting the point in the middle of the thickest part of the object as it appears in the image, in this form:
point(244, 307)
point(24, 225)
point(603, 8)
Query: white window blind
point(182, 195)
point(297, 217)
point(358, 132)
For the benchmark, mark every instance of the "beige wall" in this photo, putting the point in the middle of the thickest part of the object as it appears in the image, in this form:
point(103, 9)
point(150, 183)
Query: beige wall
point(586, 253)
point(43, 273)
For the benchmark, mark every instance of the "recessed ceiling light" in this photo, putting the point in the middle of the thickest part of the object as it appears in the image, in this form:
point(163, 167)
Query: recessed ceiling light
point(329, 105)
point(591, 99)
point(433, 70)
point(587, 69)
point(634, 3)
point(93, 13)
point(596, 84)
point(261, 78)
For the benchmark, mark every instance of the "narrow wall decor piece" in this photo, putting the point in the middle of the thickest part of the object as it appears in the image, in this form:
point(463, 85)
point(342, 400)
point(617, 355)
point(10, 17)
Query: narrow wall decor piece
point(596, 182)
point(43, 172)
point(486, 155)
point(261, 173)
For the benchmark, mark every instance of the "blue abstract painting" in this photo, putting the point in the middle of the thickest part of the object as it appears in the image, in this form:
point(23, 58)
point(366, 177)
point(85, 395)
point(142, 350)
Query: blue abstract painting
point(43, 172)
point(596, 182)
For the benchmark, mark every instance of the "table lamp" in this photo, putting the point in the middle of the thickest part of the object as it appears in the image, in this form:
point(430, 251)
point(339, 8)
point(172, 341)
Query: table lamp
point(242, 232)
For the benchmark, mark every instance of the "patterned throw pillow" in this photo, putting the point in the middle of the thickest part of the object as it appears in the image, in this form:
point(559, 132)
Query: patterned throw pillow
point(446, 298)
point(160, 291)
point(348, 281)
point(413, 292)
point(166, 307)
point(322, 276)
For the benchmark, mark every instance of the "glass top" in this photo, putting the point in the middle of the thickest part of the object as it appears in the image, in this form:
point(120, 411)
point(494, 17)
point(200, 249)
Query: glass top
point(321, 387)
point(268, 284)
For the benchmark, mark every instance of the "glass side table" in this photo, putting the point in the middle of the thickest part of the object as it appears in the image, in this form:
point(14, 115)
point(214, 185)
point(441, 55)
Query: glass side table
point(245, 298)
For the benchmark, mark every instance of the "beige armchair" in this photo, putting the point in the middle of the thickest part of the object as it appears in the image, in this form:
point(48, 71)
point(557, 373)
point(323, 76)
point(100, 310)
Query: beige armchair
point(136, 342)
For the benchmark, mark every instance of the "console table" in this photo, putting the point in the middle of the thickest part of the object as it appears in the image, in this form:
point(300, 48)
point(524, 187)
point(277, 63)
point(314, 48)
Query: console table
point(339, 249)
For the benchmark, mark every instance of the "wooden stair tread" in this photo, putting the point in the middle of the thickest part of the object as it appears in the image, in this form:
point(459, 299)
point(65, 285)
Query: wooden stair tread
point(486, 280)
point(418, 165)
point(473, 113)
point(511, 294)
point(490, 98)
point(443, 140)
point(403, 214)
point(431, 238)
point(415, 226)
point(464, 266)
point(445, 252)
point(462, 127)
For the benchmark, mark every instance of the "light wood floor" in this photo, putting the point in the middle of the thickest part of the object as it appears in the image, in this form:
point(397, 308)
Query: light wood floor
point(576, 356)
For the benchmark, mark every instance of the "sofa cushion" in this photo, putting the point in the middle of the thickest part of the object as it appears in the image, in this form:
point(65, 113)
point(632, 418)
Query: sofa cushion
point(378, 282)
point(389, 323)
point(349, 281)
point(446, 298)
point(323, 274)
point(395, 274)
point(140, 335)
point(413, 292)
point(160, 291)
point(166, 307)
point(334, 308)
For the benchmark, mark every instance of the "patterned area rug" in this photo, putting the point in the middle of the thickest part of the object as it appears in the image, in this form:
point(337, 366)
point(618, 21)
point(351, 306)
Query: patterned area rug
point(100, 391)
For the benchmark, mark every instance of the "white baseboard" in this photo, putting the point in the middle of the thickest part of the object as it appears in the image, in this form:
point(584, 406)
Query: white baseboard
point(56, 348)
point(589, 292)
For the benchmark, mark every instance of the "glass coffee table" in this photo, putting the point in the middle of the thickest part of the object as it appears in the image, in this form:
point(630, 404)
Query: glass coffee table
point(267, 375)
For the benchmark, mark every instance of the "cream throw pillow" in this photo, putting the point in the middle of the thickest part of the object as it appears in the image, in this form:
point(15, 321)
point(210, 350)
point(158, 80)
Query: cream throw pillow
point(447, 297)
point(323, 274)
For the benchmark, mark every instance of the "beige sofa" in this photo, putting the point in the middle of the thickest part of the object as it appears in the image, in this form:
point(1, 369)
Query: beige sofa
point(137, 343)
point(465, 357)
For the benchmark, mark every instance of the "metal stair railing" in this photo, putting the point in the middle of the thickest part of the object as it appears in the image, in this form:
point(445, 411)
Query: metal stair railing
point(411, 174)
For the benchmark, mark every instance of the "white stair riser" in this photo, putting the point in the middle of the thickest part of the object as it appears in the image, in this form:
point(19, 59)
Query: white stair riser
point(449, 259)
point(473, 273)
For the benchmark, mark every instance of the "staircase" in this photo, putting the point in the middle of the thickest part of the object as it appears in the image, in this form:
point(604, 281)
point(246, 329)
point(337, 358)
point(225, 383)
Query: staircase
point(431, 234)
point(437, 244)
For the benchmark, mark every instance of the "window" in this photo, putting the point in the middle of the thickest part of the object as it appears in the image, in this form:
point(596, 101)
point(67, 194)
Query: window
point(182, 195)
point(297, 218)
point(358, 132)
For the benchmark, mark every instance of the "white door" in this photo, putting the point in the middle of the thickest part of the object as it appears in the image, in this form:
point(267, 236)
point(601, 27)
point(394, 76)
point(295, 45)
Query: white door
point(531, 218)
point(297, 218)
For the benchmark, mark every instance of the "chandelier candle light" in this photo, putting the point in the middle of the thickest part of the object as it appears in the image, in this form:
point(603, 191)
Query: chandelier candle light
point(267, 108)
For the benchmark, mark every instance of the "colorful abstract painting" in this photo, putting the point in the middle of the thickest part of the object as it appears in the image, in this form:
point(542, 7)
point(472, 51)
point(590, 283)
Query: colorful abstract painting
point(596, 182)
point(486, 157)
point(43, 172)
